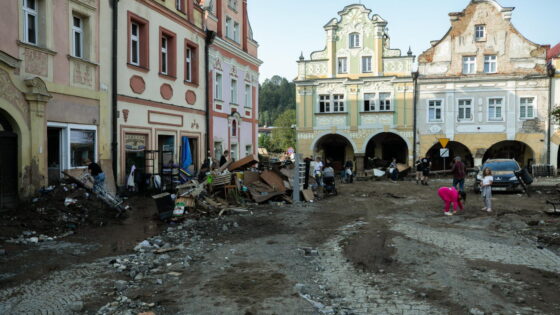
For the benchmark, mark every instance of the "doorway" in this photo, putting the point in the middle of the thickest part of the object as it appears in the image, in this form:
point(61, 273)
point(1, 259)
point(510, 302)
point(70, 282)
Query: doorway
point(8, 164)
point(54, 151)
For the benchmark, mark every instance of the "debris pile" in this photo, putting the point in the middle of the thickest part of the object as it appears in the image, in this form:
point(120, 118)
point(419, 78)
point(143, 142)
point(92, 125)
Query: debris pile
point(229, 188)
point(56, 210)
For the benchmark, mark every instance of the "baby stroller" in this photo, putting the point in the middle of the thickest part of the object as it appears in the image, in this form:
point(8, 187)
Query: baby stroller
point(329, 185)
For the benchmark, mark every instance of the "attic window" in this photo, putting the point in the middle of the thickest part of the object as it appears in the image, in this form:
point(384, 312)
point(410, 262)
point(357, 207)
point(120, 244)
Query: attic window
point(480, 32)
point(354, 40)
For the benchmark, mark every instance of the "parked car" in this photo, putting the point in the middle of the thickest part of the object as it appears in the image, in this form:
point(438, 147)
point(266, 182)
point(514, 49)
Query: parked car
point(503, 171)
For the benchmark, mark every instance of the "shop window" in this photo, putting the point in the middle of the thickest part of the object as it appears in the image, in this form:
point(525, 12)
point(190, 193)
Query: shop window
point(82, 147)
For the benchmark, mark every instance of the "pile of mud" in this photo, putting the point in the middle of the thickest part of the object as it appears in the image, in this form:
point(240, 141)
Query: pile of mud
point(56, 210)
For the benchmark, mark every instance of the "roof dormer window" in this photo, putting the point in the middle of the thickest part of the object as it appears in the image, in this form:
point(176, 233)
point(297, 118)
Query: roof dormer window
point(354, 40)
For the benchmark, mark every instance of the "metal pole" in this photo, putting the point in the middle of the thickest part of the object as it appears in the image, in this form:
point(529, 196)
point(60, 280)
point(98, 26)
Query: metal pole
point(415, 78)
point(551, 71)
point(297, 178)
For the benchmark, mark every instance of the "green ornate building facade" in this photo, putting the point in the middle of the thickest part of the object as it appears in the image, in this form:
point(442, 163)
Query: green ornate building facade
point(355, 97)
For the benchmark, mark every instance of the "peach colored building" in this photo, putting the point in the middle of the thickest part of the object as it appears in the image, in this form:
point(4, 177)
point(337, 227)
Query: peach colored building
point(53, 93)
point(233, 73)
point(161, 84)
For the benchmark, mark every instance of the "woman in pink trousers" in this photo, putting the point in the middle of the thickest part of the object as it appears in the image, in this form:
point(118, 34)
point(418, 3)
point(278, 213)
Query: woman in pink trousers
point(450, 195)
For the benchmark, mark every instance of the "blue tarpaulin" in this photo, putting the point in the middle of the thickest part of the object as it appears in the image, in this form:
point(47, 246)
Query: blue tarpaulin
point(186, 159)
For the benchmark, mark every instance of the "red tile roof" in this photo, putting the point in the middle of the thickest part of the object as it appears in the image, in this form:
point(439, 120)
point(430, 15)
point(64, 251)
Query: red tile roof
point(553, 52)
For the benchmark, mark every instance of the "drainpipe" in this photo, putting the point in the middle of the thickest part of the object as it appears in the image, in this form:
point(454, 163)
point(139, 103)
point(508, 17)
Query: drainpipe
point(414, 127)
point(550, 71)
point(210, 35)
point(114, 85)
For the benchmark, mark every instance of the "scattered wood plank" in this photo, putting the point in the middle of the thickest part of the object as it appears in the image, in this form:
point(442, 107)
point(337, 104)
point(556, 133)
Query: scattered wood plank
point(244, 162)
point(165, 250)
point(308, 195)
point(273, 180)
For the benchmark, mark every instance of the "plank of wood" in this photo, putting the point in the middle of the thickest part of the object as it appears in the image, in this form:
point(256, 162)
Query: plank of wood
point(274, 180)
point(308, 194)
point(244, 162)
point(165, 250)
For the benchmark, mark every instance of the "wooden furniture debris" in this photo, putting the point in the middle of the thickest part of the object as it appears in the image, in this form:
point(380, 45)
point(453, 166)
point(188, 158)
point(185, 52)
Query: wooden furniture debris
point(244, 162)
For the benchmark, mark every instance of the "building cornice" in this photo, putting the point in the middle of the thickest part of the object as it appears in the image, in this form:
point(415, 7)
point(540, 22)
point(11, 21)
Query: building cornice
point(237, 51)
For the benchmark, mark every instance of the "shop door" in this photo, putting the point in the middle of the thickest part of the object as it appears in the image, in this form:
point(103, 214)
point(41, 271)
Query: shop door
point(8, 169)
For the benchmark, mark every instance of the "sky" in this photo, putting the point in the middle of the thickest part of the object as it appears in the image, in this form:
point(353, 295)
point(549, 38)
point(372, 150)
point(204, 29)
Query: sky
point(286, 28)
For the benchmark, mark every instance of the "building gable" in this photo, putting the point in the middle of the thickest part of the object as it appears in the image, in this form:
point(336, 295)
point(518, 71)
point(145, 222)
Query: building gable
point(482, 29)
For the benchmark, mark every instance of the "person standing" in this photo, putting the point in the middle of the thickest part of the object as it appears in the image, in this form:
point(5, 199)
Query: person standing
point(426, 166)
point(98, 176)
point(459, 171)
point(348, 172)
point(393, 170)
point(318, 171)
point(224, 159)
point(418, 165)
point(450, 195)
point(486, 189)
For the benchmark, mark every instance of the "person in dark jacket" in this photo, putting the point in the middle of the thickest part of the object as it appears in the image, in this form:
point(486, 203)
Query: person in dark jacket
point(459, 172)
point(224, 158)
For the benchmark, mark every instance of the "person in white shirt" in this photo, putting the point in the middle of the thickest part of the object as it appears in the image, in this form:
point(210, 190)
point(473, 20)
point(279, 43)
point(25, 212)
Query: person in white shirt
point(317, 171)
point(486, 189)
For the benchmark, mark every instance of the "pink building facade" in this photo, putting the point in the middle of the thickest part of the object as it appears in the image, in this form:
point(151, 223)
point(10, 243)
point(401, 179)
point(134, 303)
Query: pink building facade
point(233, 73)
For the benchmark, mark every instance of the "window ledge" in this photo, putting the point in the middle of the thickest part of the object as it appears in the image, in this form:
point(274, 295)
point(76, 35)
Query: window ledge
point(193, 84)
point(36, 47)
point(70, 57)
point(377, 111)
point(138, 68)
point(167, 76)
point(332, 113)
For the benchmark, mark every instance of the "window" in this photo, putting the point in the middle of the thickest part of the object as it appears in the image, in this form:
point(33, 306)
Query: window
point(354, 40)
point(233, 91)
point(369, 102)
point(366, 64)
point(188, 64)
point(490, 64)
point(469, 65)
point(218, 87)
point(30, 21)
point(234, 128)
point(384, 101)
point(218, 150)
point(82, 147)
point(324, 103)
point(232, 4)
point(338, 102)
point(479, 32)
point(248, 149)
point(465, 110)
point(77, 36)
point(434, 110)
point(228, 27)
point(495, 109)
point(342, 65)
point(135, 44)
point(527, 108)
point(234, 151)
point(179, 5)
point(236, 32)
point(138, 41)
point(248, 96)
point(191, 62)
point(164, 55)
point(168, 53)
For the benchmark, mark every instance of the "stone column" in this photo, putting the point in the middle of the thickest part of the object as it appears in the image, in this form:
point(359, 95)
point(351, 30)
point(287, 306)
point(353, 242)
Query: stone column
point(359, 163)
point(37, 97)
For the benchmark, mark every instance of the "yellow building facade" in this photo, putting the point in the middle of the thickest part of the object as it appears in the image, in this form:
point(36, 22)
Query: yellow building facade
point(53, 93)
point(354, 99)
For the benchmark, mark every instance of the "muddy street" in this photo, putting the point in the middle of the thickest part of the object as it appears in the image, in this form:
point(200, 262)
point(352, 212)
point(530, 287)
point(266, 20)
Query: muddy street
point(376, 248)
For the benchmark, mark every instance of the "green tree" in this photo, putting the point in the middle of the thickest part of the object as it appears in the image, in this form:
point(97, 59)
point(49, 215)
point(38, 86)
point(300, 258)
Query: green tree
point(284, 133)
point(264, 141)
point(276, 95)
